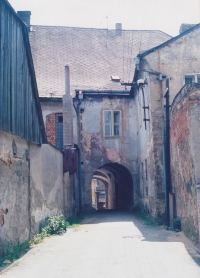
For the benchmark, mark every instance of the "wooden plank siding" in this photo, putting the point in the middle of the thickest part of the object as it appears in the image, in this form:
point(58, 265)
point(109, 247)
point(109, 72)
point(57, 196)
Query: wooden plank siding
point(20, 111)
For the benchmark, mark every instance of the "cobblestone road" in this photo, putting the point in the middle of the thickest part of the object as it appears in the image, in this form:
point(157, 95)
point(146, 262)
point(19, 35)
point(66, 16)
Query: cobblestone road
point(110, 245)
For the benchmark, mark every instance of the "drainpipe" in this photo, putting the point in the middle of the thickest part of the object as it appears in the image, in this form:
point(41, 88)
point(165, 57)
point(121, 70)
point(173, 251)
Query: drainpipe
point(77, 109)
point(163, 151)
point(167, 151)
point(105, 92)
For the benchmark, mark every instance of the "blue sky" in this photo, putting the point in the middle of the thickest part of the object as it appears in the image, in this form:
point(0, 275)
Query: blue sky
point(164, 15)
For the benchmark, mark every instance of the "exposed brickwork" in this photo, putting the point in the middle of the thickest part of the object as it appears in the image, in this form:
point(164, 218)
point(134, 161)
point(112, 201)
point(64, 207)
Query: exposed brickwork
point(51, 128)
point(182, 164)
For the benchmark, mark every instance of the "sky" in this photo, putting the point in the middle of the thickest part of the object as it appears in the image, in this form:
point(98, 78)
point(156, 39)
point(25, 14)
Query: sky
point(164, 15)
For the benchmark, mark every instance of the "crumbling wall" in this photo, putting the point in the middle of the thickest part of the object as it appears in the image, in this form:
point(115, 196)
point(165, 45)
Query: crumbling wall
point(175, 60)
point(184, 180)
point(46, 184)
point(150, 185)
point(14, 190)
point(31, 188)
point(70, 195)
point(96, 148)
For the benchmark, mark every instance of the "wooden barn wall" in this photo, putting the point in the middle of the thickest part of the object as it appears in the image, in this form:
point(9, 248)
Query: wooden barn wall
point(20, 112)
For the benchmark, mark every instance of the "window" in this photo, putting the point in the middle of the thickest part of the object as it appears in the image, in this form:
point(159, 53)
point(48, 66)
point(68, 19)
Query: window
point(192, 78)
point(112, 122)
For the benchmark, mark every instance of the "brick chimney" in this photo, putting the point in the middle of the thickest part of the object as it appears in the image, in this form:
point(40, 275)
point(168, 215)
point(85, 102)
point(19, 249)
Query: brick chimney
point(26, 17)
point(118, 28)
point(184, 27)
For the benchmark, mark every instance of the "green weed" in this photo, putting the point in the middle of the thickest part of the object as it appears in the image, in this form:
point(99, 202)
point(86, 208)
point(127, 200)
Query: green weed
point(13, 253)
point(146, 221)
point(55, 225)
point(74, 222)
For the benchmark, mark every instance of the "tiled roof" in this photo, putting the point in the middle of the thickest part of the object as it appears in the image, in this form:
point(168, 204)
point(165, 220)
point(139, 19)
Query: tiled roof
point(93, 55)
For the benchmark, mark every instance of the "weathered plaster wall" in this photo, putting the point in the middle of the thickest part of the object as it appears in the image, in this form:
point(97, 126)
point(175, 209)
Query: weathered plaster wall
point(14, 190)
point(184, 152)
point(50, 107)
point(177, 59)
point(46, 184)
point(31, 200)
point(95, 147)
point(150, 187)
point(71, 195)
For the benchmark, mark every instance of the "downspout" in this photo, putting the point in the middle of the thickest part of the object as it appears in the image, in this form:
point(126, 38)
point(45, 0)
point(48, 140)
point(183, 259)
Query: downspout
point(77, 109)
point(167, 152)
point(163, 151)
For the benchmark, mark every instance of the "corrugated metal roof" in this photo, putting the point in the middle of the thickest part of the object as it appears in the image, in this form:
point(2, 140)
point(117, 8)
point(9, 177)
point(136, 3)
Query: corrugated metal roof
point(93, 55)
point(20, 111)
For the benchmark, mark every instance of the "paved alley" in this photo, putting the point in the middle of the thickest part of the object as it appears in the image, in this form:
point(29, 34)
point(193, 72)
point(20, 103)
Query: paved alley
point(110, 245)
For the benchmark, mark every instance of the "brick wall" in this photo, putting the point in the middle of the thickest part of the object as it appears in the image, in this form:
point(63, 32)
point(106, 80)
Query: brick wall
point(51, 128)
point(183, 164)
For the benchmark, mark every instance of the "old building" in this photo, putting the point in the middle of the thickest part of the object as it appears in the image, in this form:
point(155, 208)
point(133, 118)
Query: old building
point(31, 171)
point(105, 118)
point(166, 69)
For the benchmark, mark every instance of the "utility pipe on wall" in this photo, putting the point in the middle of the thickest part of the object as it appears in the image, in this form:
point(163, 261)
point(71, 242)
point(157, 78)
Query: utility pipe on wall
point(77, 109)
point(167, 151)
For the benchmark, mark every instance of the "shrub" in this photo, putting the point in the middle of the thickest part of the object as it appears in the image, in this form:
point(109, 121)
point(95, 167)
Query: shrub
point(55, 225)
point(177, 224)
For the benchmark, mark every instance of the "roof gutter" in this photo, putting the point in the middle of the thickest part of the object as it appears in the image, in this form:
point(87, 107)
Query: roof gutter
point(105, 92)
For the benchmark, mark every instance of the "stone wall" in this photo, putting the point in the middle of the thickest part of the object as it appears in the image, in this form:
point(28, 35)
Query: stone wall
point(31, 188)
point(183, 164)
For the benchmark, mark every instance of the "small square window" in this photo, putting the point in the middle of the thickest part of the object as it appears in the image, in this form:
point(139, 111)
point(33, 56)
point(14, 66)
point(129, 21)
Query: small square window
point(189, 79)
point(112, 122)
point(192, 78)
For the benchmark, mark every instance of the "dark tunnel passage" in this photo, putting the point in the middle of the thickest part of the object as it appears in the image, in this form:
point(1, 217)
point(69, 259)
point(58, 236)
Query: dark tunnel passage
point(112, 187)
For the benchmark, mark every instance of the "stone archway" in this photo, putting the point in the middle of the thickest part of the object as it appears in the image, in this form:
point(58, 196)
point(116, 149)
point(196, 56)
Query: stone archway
point(118, 184)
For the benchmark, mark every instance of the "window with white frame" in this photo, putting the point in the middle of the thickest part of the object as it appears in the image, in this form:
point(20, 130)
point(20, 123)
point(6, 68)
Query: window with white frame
point(112, 122)
point(192, 78)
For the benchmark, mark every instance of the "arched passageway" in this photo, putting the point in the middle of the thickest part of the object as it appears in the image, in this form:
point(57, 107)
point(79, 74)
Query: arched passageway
point(112, 187)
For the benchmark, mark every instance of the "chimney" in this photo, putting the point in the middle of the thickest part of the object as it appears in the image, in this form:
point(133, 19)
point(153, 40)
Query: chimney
point(67, 112)
point(184, 27)
point(26, 17)
point(118, 28)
